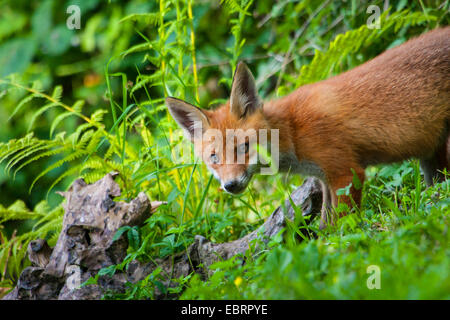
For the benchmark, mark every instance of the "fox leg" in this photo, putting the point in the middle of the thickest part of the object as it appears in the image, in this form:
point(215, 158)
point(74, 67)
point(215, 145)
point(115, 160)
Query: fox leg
point(354, 197)
point(433, 166)
point(325, 214)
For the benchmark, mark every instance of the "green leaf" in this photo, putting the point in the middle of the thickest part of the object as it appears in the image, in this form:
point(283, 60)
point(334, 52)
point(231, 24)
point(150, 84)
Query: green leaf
point(108, 271)
point(120, 232)
point(11, 22)
point(39, 112)
point(133, 238)
point(59, 40)
point(147, 18)
point(41, 20)
point(16, 55)
point(58, 119)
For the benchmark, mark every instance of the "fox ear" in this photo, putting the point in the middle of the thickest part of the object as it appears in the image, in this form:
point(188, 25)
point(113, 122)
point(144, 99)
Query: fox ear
point(244, 98)
point(188, 117)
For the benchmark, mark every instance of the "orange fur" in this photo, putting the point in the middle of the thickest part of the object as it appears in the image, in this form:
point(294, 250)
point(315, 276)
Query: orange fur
point(391, 108)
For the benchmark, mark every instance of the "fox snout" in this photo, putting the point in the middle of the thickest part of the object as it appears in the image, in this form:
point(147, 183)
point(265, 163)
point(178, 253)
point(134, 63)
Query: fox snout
point(237, 184)
point(234, 186)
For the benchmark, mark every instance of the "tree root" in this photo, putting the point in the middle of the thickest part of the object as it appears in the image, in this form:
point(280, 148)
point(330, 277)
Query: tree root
point(85, 244)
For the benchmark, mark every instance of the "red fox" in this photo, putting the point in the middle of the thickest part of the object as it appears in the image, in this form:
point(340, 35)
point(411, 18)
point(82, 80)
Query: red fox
point(389, 109)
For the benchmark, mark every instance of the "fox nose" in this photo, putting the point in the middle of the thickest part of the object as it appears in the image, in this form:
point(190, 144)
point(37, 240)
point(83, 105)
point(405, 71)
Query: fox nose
point(233, 187)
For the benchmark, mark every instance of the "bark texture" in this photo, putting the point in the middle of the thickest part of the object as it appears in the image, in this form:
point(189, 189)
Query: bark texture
point(85, 244)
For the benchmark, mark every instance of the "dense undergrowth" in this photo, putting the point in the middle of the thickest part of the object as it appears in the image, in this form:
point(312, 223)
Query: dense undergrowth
point(96, 104)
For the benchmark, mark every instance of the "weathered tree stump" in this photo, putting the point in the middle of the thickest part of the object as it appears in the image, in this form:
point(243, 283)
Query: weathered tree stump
point(85, 243)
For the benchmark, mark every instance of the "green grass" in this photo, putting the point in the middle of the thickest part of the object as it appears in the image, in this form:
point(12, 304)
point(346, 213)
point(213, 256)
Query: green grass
point(406, 238)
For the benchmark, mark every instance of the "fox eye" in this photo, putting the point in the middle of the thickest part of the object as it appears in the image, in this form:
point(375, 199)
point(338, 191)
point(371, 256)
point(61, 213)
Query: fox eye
point(214, 158)
point(243, 148)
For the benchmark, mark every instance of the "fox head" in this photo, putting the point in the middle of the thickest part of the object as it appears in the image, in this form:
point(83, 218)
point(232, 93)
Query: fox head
point(225, 138)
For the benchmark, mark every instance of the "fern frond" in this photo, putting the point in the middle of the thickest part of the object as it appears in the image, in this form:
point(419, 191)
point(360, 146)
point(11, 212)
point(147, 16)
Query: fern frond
point(18, 211)
point(154, 79)
point(148, 18)
point(74, 171)
point(22, 102)
point(13, 251)
point(24, 153)
point(15, 145)
point(40, 112)
point(58, 119)
point(49, 153)
point(97, 116)
point(57, 93)
point(137, 48)
point(236, 6)
point(77, 109)
point(324, 63)
point(76, 154)
point(73, 138)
